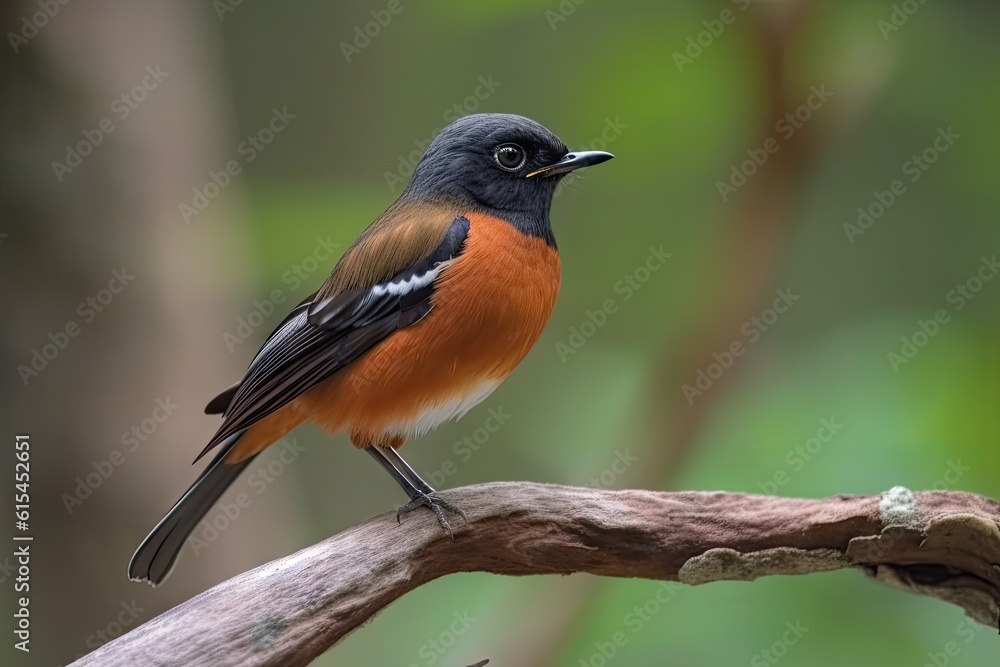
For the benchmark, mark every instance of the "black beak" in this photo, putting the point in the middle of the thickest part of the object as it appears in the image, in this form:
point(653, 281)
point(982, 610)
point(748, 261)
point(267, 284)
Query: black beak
point(571, 161)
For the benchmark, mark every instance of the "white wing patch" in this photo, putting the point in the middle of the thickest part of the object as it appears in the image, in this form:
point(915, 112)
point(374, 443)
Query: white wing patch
point(402, 287)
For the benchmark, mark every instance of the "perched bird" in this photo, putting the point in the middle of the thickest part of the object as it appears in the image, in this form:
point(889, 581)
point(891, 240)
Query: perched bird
point(427, 312)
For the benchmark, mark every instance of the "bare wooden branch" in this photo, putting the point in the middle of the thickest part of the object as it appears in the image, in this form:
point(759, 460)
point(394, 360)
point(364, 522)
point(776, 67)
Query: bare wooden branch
point(945, 544)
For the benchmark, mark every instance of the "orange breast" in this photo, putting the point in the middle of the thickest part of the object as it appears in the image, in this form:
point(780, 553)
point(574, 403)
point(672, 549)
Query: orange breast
point(489, 308)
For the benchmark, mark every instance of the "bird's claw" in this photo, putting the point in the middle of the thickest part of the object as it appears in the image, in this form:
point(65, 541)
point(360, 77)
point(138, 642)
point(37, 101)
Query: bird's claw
point(437, 505)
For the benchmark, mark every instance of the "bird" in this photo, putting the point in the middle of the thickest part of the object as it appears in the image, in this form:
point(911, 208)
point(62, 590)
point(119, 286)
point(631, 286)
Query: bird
point(423, 316)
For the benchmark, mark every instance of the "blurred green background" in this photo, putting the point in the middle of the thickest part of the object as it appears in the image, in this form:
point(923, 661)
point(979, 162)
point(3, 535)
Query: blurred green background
point(683, 93)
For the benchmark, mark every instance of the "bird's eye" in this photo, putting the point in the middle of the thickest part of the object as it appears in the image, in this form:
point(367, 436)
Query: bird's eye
point(509, 156)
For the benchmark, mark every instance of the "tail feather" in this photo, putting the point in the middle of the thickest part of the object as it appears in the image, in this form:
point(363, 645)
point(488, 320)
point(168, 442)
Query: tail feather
point(154, 559)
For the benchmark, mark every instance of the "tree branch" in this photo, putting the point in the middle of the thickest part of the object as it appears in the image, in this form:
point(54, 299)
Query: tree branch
point(944, 544)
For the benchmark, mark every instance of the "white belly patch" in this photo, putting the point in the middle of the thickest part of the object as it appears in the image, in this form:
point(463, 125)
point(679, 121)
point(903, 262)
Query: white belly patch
point(439, 413)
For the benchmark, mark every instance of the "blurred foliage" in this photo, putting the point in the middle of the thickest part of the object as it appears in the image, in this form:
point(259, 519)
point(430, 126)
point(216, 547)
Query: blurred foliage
point(825, 358)
point(933, 422)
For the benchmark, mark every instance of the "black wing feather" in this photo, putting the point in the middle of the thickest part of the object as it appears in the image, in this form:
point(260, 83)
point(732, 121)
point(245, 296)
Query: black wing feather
point(221, 403)
point(319, 338)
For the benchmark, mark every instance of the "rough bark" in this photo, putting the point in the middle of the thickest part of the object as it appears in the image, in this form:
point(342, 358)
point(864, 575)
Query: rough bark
point(944, 544)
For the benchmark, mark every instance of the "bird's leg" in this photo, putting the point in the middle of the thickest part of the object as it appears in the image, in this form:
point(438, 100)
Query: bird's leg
point(420, 492)
point(378, 454)
point(425, 493)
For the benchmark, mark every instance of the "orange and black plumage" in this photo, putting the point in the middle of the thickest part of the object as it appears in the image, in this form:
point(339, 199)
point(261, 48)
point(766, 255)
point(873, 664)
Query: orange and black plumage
point(425, 314)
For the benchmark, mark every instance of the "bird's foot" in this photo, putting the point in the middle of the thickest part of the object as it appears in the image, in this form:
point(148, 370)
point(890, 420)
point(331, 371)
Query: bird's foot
point(437, 505)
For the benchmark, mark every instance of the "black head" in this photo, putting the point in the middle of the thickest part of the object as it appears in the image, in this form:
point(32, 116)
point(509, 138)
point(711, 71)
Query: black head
point(501, 164)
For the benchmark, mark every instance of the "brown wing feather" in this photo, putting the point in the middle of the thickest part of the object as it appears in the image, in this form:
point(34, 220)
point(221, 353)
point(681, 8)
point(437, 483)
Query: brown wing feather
point(397, 239)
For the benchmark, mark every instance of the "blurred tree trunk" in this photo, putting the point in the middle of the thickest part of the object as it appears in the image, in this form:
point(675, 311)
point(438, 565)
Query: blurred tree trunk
point(64, 238)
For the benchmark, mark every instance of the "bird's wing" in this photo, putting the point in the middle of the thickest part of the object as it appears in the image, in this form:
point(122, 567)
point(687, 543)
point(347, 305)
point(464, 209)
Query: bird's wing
point(324, 334)
point(218, 405)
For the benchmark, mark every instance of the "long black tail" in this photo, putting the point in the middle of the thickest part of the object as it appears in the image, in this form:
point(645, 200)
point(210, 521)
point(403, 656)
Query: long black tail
point(154, 559)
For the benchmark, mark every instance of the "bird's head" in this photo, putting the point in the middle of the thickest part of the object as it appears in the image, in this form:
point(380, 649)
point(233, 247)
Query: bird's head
point(499, 163)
